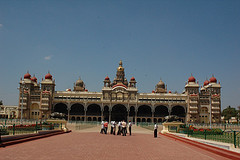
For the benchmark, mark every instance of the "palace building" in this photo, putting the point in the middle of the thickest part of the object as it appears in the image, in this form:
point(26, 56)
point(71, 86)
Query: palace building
point(120, 100)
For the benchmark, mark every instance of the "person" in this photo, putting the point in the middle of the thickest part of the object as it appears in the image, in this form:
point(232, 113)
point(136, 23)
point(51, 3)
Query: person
point(106, 126)
point(155, 130)
point(112, 127)
point(124, 127)
point(102, 127)
point(130, 127)
point(119, 128)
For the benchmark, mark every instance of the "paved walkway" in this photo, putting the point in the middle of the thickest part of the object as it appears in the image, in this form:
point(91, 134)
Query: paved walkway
point(91, 145)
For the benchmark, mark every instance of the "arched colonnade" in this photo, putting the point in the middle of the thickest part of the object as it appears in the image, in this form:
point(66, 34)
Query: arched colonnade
point(118, 112)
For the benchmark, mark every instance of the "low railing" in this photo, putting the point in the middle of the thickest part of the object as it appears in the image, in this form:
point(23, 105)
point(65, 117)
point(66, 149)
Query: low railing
point(24, 129)
point(80, 125)
point(149, 126)
point(227, 136)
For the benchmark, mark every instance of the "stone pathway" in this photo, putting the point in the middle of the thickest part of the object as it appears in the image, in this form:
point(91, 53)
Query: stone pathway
point(89, 144)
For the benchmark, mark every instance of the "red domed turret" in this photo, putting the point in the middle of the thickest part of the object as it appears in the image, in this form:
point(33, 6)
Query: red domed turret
point(191, 79)
point(48, 76)
point(205, 83)
point(170, 92)
point(132, 79)
point(107, 78)
point(213, 80)
point(27, 76)
point(34, 79)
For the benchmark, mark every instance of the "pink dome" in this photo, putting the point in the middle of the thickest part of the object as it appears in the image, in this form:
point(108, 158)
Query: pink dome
point(27, 76)
point(107, 78)
point(213, 80)
point(191, 79)
point(132, 79)
point(34, 79)
point(205, 83)
point(48, 76)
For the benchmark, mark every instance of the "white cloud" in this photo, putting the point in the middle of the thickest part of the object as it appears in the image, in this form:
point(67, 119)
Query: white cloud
point(47, 58)
point(1, 25)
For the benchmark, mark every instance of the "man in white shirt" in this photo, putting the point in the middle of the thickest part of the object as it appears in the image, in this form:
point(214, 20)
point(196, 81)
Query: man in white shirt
point(130, 127)
point(155, 130)
point(102, 127)
point(124, 127)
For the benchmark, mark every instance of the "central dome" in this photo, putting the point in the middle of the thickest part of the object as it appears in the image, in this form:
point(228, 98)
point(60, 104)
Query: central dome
point(161, 84)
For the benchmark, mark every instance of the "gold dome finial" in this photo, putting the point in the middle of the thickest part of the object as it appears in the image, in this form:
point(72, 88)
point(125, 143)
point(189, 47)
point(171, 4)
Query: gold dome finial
point(120, 68)
point(120, 63)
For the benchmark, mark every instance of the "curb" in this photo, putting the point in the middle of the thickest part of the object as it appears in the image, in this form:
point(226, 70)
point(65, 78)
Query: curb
point(30, 138)
point(213, 149)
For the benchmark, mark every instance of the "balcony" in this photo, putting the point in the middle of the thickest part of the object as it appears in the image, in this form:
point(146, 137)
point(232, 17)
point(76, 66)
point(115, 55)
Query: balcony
point(193, 102)
point(193, 107)
point(195, 112)
point(215, 112)
point(215, 108)
point(215, 102)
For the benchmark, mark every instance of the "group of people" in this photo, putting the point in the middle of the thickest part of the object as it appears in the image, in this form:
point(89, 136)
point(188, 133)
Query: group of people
point(121, 126)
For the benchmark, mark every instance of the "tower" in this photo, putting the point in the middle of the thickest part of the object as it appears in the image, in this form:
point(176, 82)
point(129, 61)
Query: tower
point(120, 75)
point(192, 91)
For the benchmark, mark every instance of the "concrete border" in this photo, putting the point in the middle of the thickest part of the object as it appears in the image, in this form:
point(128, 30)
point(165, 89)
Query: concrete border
point(213, 149)
point(11, 140)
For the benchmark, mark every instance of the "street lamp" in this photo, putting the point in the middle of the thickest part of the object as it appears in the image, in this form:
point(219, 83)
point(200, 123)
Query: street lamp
point(210, 103)
point(23, 87)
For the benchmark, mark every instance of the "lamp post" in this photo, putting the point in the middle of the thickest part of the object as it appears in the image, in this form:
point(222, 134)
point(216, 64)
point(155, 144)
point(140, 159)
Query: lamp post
point(210, 104)
point(23, 87)
point(22, 102)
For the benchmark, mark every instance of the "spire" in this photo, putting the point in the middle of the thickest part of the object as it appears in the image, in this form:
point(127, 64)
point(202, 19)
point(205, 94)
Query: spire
point(120, 63)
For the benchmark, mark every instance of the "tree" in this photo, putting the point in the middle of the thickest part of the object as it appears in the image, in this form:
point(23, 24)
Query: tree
point(229, 112)
point(1, 103)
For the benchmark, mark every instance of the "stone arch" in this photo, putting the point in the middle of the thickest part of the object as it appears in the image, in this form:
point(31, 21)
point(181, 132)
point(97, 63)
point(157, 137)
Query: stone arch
point(77, 109)
point(94, 118)
point(144, 111)
point(61, 108)
point(138, 119)
point(149, 120)
point(89, 119)
point(73, 119)
point(119, 112)
point(132, 111)
point(161, 111)
point(143, 120)
point(106, 113)
point(178, 111)
point(94, 110)
point(155, 120)
point(78, 118)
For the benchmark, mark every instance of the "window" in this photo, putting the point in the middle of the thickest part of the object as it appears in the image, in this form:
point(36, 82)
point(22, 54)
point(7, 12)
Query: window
point(32, 113)
point(35, 113)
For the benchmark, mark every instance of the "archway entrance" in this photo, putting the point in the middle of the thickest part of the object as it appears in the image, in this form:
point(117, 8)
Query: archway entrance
point(119, 113)
point(61, 108)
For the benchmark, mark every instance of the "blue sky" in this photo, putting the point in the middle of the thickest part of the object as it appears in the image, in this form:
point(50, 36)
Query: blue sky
point(155, 39)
